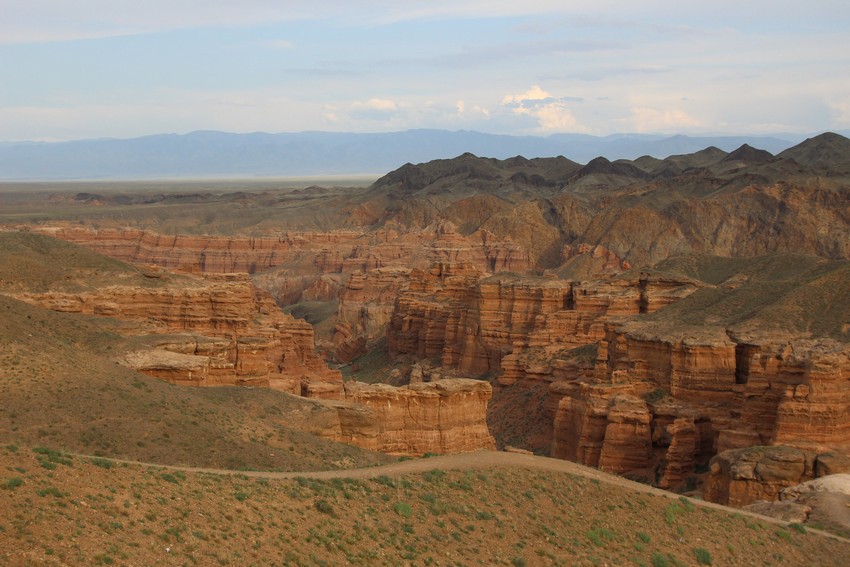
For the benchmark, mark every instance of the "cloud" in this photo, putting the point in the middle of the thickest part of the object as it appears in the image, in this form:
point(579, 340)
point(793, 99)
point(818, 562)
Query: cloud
point(535, 93)
point(551, 113)
point(646, 119)
point(374, 109)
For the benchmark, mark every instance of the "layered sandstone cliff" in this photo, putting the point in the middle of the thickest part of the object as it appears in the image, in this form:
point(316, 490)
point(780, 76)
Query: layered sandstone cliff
point(435, 417)
point(210, 331)
point(740, 477)
point(486, 325)
point(444, 416)
point(209, 254)
point(706, 392)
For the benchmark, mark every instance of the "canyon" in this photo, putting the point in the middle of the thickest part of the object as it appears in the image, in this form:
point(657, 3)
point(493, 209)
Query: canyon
point(652, 318)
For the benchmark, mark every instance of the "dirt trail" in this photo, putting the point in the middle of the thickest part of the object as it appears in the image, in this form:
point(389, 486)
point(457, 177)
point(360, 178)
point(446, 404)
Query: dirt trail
point(478, 460)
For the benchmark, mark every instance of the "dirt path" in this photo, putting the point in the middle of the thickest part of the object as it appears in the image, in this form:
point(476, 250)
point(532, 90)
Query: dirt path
point(479, 460)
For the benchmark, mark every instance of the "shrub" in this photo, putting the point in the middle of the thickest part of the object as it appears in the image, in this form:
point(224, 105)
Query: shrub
point(168, 477)
point(325, 507)
point(659, 560)
point(13, 482)
point(797, 527)
point(703, 556)
point(101, 462)
point(600, 535)
point(403, 509)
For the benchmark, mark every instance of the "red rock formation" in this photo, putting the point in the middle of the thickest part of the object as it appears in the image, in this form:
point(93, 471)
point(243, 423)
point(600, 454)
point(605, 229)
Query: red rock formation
point(711, 393)
point(303, 253)
point(602, 425)
point(681, 456)
point(435, 417)
point(236, 333)
point(211, 254)
point(445, 416)
point(742, 476)
point(365, 307)
point(474, 324)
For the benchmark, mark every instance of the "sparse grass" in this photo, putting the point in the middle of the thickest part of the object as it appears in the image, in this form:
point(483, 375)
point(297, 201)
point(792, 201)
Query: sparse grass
point(132, 513)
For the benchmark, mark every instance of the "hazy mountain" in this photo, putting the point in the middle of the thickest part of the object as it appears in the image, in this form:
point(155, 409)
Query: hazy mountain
point(208, 154)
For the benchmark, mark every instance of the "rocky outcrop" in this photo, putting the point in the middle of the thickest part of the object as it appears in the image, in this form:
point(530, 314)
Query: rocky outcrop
point(439, 417)
point(705, 393)
point(742, 476)
point(446, 416)
point(603, 426)
point(208, 254)
point(229, 333)
point(475, 324)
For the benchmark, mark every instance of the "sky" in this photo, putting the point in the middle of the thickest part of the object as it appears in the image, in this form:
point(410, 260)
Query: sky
point(81, 69)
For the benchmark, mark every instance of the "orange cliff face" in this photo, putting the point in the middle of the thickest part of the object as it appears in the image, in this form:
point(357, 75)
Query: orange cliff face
point(444, 416)
point(705, 394)
point(303, 253)
point(478, 325)
point(209, 331)
point(315, 266)
point(435, 417)
point(204, 254)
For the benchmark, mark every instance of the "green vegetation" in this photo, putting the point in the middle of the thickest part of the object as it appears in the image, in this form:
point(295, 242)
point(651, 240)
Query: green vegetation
point(703, 556)
point(13, 483)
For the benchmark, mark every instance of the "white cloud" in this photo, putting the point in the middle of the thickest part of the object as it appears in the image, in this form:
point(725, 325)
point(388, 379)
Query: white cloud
point(552, 114)
point(375, 109)
point(534, 93)
point(645, 119)
point(379, 104)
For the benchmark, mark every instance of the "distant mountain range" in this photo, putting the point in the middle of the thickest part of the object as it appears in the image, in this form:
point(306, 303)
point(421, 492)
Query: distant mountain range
point(221, 154)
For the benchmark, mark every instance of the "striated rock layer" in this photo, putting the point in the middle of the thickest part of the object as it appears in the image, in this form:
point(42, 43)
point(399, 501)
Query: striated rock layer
point(706, 392)
point(229, 333)
point(210, 254)
point(303, 256)
point(435, 417)
point(444, 416)
point(479, 325)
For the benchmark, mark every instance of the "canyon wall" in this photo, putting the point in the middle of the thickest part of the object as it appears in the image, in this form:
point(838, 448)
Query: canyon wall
point(208, 254)
point(435, 417)
point(208, 331)
point(486, 325)
point(706, 392)
point(445, 416)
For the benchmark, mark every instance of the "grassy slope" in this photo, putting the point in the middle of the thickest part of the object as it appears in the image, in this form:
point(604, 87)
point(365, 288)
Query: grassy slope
point(61, 389)
point(80, 511)
point(37, 263)
point(780, 292)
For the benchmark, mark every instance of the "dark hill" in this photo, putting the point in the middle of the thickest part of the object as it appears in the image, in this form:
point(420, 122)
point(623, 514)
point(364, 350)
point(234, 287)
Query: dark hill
point(827, 152)
point(748, 155)
point(603, 166)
